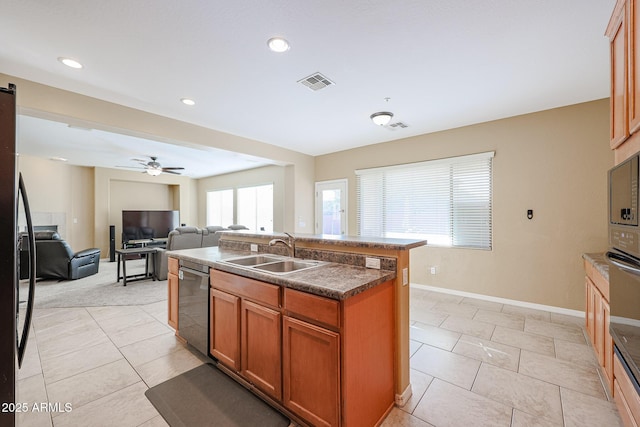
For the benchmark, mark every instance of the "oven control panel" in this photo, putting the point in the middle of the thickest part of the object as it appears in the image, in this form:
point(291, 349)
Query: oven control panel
point(625, 239)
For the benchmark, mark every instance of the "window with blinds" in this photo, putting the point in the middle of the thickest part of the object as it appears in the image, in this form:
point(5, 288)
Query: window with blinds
point(445, 201)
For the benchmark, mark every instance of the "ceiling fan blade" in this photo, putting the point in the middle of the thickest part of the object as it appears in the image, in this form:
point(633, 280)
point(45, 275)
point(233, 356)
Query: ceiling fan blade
point(172, 168)
point(171, 172)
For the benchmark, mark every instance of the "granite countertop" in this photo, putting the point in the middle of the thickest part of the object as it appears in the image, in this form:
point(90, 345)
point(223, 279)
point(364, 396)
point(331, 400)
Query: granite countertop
point(599, 261)
point(331, 280)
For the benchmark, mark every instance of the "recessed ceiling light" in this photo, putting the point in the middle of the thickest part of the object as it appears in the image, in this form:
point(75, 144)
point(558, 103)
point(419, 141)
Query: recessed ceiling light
point(188, 101)
point(278, 44)
point(70, 62)
point(59, 159)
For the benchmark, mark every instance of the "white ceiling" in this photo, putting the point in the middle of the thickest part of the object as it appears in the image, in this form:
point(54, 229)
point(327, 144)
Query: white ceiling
point(441, 63)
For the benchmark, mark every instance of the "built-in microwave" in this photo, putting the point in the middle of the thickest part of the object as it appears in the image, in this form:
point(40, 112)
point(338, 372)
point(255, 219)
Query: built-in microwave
point(624, 233)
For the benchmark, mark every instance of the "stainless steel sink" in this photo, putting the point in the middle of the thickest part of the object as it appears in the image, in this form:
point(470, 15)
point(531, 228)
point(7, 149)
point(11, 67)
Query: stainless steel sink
point(287, 266)
point(252, 260)
point(272, 263)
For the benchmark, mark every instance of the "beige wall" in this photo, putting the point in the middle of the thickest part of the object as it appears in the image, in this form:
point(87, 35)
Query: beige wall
point(265, 175)
point(553, 162)
point(61, 190)
point(115, 188)
point(129, 195)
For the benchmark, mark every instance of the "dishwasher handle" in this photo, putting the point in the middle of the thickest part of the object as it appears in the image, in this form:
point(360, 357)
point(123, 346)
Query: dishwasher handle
point(624, 262)
point(182, 270)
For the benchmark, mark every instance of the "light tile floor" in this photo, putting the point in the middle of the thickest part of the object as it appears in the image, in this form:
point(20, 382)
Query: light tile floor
point(473, 363)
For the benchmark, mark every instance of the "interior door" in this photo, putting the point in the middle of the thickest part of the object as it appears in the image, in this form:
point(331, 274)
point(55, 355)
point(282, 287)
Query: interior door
point(331, 207)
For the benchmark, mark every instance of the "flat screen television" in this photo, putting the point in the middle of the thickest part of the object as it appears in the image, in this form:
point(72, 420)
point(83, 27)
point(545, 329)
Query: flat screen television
point(138, 225)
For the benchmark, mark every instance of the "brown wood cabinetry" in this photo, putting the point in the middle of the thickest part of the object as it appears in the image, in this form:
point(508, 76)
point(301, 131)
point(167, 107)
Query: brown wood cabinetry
point(224, 328)
point(328, 362)
point(311, 366)
point(626, 396)
point(245, 329)
point(597, 319)
point(261, 348)
point(624, 35)
point(172, 284)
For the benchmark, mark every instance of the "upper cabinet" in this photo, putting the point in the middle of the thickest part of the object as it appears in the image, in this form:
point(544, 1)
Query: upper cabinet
point(625, 79)
point(619, 82)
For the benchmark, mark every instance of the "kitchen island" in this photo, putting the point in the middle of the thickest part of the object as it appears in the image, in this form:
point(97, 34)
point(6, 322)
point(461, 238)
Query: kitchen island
point(327, 344)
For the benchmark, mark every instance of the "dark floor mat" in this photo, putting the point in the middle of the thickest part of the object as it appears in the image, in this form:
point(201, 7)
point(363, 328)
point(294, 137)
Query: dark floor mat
point(205, 396)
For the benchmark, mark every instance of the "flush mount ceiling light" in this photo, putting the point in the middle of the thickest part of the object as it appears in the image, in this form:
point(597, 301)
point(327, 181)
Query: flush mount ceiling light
point(278, 44)
point(188, 101)
point(382, 118)
point(70, 62)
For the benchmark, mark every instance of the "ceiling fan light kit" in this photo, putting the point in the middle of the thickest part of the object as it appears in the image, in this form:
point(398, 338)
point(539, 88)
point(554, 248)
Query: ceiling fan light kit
point(382, 118)
point(154, 172)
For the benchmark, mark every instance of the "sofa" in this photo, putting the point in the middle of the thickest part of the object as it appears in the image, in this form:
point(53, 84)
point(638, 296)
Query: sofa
point(186, 238)
point(56, 260)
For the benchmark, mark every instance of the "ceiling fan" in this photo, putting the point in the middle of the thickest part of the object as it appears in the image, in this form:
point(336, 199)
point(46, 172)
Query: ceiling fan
point(154, 168)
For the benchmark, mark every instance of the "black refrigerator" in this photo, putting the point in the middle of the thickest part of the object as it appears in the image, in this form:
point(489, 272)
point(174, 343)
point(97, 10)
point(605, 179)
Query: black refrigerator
point(15, 309)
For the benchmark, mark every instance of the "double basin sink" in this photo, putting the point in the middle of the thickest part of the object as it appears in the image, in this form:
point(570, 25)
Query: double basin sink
point(272, 263)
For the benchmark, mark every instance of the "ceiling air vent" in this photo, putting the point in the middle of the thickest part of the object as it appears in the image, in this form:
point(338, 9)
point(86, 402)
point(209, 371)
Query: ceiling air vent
point(316, 81)
point(397, 125)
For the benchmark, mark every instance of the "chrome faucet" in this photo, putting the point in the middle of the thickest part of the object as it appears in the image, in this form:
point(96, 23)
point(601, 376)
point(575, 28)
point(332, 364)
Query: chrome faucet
point(290, 244)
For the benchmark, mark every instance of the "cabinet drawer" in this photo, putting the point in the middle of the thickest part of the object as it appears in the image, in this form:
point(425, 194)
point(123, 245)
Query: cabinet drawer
point(173, 265)
point(312, 307)
point(625, 388)
point(623, 407)
point(250, 289)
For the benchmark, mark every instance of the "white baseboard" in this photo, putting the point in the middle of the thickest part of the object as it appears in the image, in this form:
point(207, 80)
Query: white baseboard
point(550, 308)
point(402, 399)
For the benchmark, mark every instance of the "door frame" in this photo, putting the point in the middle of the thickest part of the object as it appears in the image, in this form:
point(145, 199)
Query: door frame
point(343, 185)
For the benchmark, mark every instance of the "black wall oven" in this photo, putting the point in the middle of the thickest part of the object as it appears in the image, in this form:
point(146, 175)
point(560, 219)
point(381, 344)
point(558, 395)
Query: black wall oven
point(624, 265)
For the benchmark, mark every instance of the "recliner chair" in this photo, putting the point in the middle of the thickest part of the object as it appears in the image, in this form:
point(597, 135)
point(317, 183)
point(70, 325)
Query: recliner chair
point(55, 259)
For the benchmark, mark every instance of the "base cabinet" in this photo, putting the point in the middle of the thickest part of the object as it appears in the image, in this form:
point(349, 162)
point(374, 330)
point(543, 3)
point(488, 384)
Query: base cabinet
point(173, 283)
point(597, 314)
point(311, 366)
point(324, 361)
point(261, 348)
point(626, 396)
point(224, 329)
point(244, 329)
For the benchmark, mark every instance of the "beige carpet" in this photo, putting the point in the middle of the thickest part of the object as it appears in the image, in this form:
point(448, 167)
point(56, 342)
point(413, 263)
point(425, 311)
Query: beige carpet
point(98, 290)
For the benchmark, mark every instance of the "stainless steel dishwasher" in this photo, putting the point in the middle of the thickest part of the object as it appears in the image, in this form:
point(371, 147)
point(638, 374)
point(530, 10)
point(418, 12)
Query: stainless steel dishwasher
point(193, 304)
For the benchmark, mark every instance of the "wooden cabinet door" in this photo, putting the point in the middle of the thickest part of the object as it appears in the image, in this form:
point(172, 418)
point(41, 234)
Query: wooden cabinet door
point(311, 372)
point(172, 284)
point(590, 309)
point(619, 102)
point(261, 348)
point(224, 328)
point(599, 326)
point(633, 20)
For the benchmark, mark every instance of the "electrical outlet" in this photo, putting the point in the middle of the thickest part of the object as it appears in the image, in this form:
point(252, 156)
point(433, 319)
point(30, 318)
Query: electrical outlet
point(372, 263)
point(254, 247)
point(433, 270)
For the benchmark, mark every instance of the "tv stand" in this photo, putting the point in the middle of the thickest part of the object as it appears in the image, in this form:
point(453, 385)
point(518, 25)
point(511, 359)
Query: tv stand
point(143, 243)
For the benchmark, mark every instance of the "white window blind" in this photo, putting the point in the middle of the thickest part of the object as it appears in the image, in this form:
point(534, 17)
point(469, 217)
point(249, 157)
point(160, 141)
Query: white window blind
point(220, 207)
point(445, 201)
